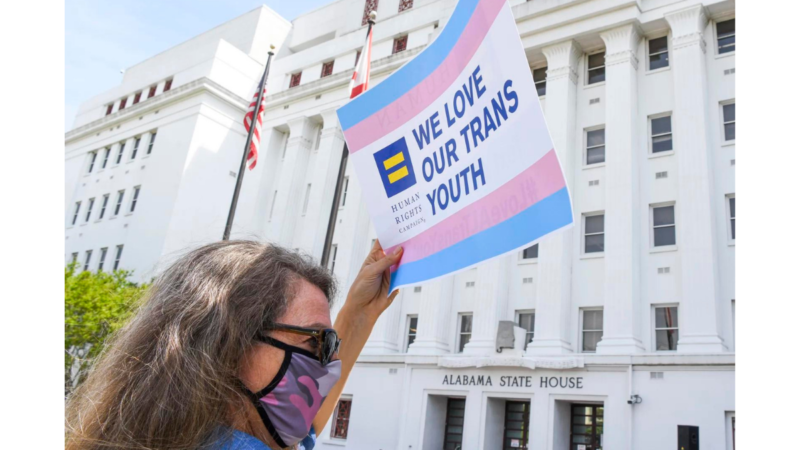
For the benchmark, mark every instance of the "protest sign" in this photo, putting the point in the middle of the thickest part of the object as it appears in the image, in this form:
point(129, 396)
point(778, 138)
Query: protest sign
point(452, 150)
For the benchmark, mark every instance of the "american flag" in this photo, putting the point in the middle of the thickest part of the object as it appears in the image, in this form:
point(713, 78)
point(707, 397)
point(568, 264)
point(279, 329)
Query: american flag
point(252, 156)
point(360, 81)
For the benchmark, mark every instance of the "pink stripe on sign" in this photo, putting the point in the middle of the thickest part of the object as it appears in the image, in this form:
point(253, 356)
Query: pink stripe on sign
point(422, 95)
point(537, 182)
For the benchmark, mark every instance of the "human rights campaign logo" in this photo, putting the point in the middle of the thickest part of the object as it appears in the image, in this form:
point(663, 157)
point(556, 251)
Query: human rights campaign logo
point(394, 165)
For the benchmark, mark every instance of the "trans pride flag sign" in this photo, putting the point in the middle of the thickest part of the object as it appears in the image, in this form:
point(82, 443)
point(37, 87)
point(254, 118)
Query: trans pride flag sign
point(452, 150)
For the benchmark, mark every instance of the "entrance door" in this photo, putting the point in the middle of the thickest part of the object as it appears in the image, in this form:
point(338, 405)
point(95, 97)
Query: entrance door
point(517, 425)
point(454, 423)
point(587, 427)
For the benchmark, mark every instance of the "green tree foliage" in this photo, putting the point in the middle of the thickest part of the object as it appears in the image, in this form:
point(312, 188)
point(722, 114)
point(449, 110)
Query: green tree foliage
point(96, 304)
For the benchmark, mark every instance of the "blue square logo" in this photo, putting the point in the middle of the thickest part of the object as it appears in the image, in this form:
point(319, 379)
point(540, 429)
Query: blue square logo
point(394, 165)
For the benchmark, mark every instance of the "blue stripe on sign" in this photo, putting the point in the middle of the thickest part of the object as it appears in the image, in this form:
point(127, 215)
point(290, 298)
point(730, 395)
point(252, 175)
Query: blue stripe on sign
point(539, 219)
point(411, 74)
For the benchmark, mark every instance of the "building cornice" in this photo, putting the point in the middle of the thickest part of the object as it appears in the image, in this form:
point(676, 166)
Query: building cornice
point(201, 85)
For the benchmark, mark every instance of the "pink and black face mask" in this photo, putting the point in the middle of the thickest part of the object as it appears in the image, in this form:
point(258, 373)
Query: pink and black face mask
point(290, 402)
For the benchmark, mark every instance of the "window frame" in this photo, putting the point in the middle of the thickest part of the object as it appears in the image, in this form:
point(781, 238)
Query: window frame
point(152, 92)
point(653, 226)
point(76, 213)
point(448, 417)
point(136, 141)
point(396, 44)
point(407, 343)
point(334, 422)
point(295, 79)
point(722, 106)
point(544, 82)
point(134, 199)
point(327, 65)
point(167, 85)
point(120, 153)
point(87, 260)
point(460, 333)
point(151, 142)
point(345, 186)
point(122, 102)
point(404, 5)
point(667, 51)
point(583, 233)
point(589, 69)
point(523, 260)
point(333, 253)
point(103, 254)
point(730, 218)
point(137, 97)
point(586, 146)
point(655, 329)
point(717, 38)
point(118, 256)
point(518, 316)
point(109, 108)
point(92, 160)
point(103, 206)
point(583, 331)
point(118, 205)
point(652, 136)
point(106, 156)
point(90, 203)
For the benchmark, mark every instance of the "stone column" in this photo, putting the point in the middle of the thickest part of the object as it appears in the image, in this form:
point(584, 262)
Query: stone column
point(700, 321)
point(621, 317)
point(383, 338)
point(491, 304)
point(433, 326)
point(291, 184)
point(323, 186)
point(554, 295)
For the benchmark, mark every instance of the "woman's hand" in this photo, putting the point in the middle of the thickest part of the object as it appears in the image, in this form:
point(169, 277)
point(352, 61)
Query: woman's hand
point(369, 293)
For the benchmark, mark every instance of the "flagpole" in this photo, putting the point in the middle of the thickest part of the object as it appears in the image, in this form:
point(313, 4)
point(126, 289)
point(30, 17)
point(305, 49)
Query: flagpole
point(253, 124)
point(337, 192)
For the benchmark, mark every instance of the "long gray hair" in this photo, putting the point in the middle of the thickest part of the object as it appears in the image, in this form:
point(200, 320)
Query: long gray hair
point(169, 378)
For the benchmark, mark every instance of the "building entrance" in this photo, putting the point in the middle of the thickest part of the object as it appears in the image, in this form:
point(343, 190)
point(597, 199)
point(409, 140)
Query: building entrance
point(454, 423)
point(517, 425)
point(586, 432)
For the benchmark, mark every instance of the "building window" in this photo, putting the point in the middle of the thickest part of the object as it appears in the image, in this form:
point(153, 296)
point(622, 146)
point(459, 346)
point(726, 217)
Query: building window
point(592, 329)
point(137, 97)
point(594, 233)
point(345, 185)
point(135, 198)
point(334, 251)
point(327, 69)
point(527, 320)
point(729, 121)
point(103, 207)
point(152, 91)
point(121, 152)
point(103, 253)
point(92, 159)
point(122, 104)
point(369, 6)
point(305, 200)
point(517, 425)
point(106, 154)
point(659, 53)
point(117, 257)
point(596, 146)
point(726, 36)
point(661, 134)
point(118, 207)
point(295, 80)
point(152, 141)
point(342, 419)
point(663, 226)
point(587, 427)
point(109, 108)
point(412, 330)
point(87, 260)
point(89, 210)
point(540, 80)
point(272, 207)
point(666, 328)
point(399, 44)
point(596, 68)
point(454, 423)
point(167, 85)
point(405, 5)
point(531, 252)
point(732, 215)
point(465, 331)
point(77, 210)
point(136, 143)
point(74, 258)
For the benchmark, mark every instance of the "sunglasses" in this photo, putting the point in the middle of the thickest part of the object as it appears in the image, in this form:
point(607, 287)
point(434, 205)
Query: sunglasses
point(327, 340)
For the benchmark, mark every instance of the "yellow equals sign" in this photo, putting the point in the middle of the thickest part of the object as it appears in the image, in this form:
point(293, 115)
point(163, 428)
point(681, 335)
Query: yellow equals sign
point(393, 161)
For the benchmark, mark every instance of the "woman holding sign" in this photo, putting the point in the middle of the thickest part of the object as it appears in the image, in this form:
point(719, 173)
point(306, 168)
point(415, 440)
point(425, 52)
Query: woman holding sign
point(232, 349)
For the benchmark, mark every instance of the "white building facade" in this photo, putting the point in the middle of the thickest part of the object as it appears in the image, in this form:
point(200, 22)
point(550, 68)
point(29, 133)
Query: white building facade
point(628, 317)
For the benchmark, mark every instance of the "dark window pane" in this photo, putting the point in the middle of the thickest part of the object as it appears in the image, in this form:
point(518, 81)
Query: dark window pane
point(664, 215)
point(596, 137)
point(466, 324)
point(658, 61)
point(595, 155)
point(730, 131)
point(666, 339)
point(597, 60)
point(732, 203)
point(590, 340)
point(526, 321)
point(658, 45)
point(667, 317)
point(726, 28)
point(662, 143)
point(540, 74)
point(727, 45)
point(661, 125)
point(664, 236)
point(595, 224)
point(729, 112)
point(594, 243)
point(597, 75)
point(531, 252)
point(541, 88)
point(733, 229)
point(593, 320)
point(464, 341)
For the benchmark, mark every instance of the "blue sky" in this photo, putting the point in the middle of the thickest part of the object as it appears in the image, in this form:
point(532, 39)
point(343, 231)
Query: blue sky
point(103, 37)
